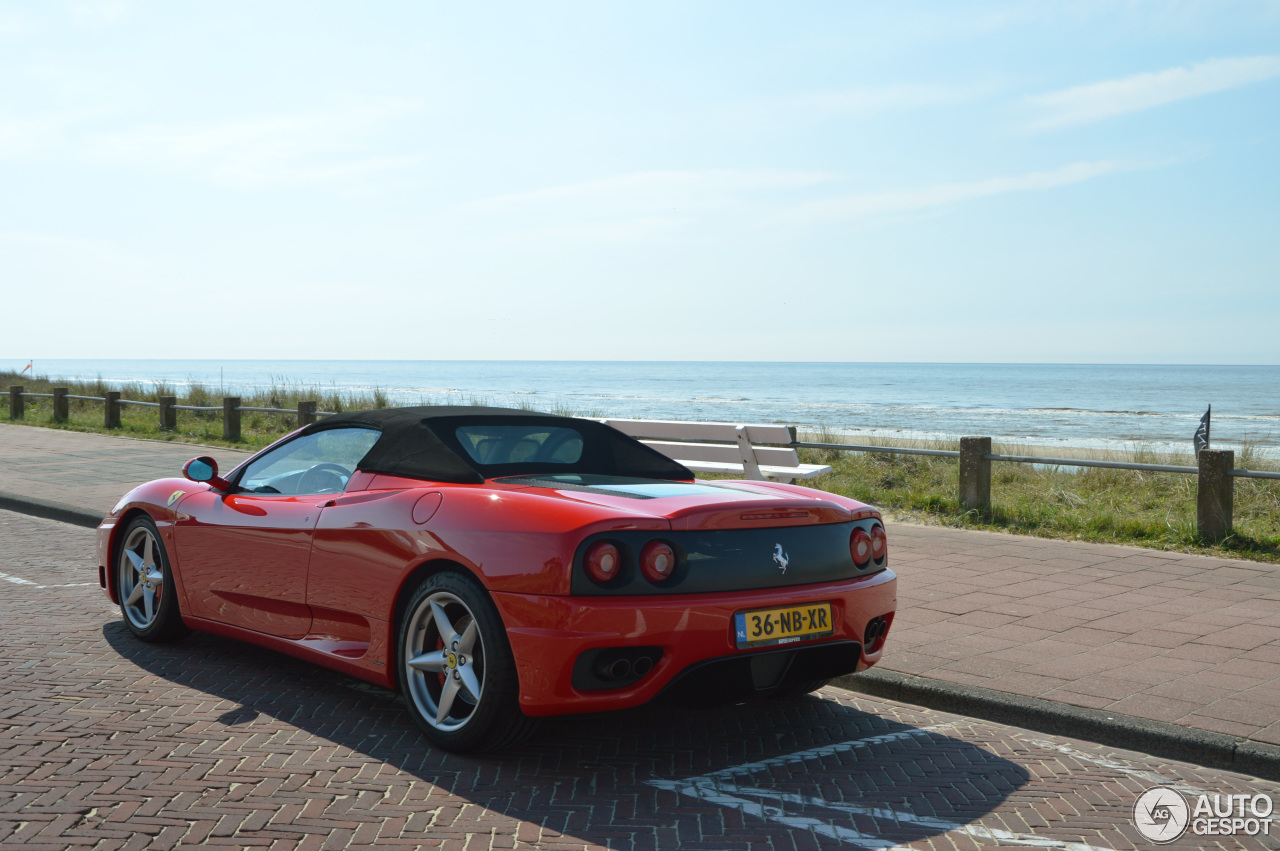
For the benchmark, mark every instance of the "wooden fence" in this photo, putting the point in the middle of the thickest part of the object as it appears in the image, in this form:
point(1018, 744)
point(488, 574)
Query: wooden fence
point(1215, 473)
point(1215, 470)
point(167, 406)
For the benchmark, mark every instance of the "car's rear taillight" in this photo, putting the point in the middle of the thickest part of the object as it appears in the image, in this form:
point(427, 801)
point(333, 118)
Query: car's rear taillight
point(879, 543)
point(603, 561)
point(860, 547)
point(657, 561)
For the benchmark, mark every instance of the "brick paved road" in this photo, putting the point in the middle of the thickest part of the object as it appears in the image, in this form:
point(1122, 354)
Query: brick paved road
point(91, 471)
point(1167, 636)
point(109, 743)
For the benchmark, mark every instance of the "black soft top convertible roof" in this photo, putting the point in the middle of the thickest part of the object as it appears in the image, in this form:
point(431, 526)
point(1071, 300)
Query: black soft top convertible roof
point(421, 443)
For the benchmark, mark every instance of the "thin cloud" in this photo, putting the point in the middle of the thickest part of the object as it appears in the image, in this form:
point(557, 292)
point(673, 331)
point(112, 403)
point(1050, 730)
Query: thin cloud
point(897, 201)
point(635, 207)
point(877, 99)
point(252, 152)
point(97, 13)
point(1098, 101)
point(649, 190)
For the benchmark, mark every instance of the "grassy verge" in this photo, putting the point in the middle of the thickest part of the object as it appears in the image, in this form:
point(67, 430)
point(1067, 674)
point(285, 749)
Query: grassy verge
point(204, 427)
point(1111, 506)
point(1156, 510)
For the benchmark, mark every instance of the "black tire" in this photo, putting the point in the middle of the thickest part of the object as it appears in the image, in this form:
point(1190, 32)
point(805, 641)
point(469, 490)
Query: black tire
point(798, 690)
point(435, 669)
point(144, 584)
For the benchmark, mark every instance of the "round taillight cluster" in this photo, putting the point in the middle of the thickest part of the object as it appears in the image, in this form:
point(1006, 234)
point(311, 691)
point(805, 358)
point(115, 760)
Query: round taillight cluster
point(657, 561)
point(879, 543)
point(603, 562)
point(865, 546)
point(611, 562)
point(860, 548)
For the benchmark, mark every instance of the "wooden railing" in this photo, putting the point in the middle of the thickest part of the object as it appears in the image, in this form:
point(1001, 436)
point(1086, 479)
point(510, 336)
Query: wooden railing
point(167, 407)
point(1215, 470)
point(1215, 473)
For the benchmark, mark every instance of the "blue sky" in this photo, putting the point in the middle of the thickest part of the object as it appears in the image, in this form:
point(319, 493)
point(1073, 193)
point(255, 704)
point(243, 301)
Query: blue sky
point(1021, 181)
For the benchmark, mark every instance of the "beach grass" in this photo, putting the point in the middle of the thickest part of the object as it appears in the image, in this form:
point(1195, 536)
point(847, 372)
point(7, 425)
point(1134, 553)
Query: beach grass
point(1131, 507)
point(203, 427)
point(257, 429)
point(1139, 508)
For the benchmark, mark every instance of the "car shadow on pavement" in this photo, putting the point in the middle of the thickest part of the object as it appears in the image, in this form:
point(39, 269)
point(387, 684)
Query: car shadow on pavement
point(761, 773)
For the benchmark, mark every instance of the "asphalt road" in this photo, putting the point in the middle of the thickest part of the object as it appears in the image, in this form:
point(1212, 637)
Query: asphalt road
point(111, 743)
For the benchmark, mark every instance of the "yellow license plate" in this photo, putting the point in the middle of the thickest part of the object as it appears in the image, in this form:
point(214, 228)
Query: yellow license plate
point(760, 627)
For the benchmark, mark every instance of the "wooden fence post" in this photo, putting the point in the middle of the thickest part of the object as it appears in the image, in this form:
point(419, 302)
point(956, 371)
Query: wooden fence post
point(975, 474)
point(1215, 494)
point(60, 405)
point(16, 408)
point(231, 418)
point(168, 413)
point(306, 413)
point(111, 417)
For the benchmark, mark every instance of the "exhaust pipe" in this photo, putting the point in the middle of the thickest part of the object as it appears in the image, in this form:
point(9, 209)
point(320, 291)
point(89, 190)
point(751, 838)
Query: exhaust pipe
point(615, 669)
point(876, 629)
point(604, 668)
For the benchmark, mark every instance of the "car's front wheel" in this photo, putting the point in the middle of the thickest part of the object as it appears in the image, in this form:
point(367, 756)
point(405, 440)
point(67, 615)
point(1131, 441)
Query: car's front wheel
point(144, 584)
point(456, 670)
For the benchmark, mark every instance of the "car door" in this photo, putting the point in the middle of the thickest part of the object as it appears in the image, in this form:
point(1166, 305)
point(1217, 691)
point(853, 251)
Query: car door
point(244, 555)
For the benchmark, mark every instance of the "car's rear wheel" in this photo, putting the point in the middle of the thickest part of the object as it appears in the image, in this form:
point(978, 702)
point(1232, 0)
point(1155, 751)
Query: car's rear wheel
point(456, 670)
point(144, 584)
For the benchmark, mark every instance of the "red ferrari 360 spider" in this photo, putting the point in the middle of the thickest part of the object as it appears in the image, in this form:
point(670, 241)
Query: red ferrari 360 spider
point(497, 565)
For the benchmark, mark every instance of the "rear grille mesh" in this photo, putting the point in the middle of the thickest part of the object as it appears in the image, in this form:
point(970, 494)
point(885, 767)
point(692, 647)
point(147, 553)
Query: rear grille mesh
point(767, 669)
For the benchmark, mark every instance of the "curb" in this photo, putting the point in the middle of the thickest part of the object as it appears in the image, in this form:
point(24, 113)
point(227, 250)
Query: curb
point(50, 510)
point(1158, 738)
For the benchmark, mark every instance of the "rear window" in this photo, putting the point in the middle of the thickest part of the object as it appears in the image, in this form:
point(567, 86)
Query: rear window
point(520, 444)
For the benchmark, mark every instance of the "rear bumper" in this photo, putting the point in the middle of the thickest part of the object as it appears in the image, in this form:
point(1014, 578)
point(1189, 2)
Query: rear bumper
point(696, 636)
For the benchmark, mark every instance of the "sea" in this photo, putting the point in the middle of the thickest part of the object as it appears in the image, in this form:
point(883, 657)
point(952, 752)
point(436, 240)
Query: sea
point(1107, 406)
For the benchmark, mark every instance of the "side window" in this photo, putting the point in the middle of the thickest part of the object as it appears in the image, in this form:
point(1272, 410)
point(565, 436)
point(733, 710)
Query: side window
point(320, 462)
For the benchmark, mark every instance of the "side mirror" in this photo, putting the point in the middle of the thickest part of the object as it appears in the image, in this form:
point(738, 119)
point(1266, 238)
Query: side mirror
point(205, 469)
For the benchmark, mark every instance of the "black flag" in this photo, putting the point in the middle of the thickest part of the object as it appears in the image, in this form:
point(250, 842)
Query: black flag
point(1201, 439)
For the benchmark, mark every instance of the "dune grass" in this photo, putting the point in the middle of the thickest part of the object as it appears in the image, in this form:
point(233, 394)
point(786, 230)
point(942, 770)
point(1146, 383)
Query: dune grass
point(1139, 508)
point(203, 427)
point(1090, 504)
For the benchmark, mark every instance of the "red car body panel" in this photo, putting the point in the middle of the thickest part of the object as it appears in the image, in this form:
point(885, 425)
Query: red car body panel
point(322, 576)
point(245, 559)
point(689, 629)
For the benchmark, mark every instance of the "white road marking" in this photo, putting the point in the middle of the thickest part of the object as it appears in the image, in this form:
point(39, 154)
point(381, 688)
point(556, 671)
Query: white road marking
point(1117, 765)
point(18, 580)
point(719, 787)
point(823, 750)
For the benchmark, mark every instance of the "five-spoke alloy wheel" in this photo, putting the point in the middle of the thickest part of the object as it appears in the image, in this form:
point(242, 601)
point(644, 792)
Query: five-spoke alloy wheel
point(144, 586)
point(455, 667)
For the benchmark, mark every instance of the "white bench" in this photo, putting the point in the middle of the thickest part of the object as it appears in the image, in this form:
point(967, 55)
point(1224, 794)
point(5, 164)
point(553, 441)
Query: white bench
point(753, 451)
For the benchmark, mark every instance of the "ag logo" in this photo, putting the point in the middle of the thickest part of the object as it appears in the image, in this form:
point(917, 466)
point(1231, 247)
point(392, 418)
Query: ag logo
point(173, 497)
point(780, 558)
point(1161, 814)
